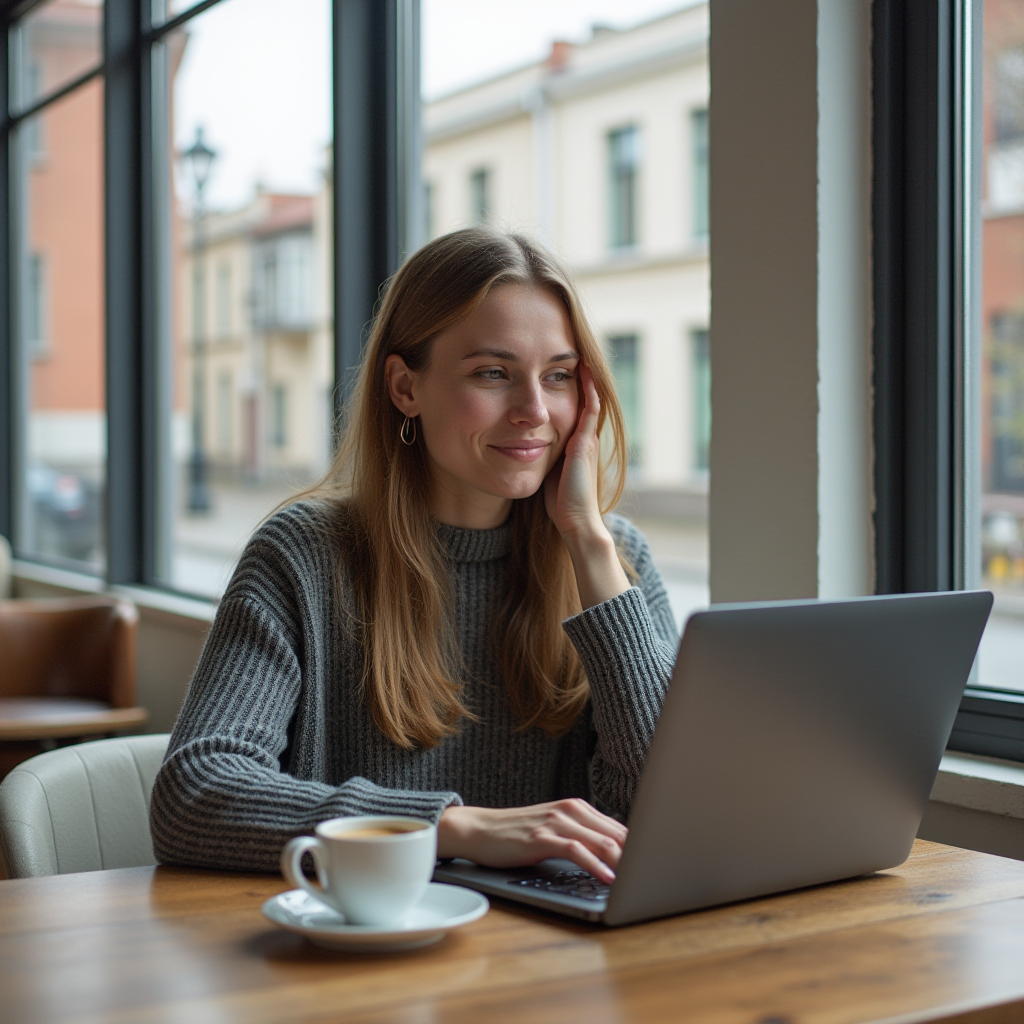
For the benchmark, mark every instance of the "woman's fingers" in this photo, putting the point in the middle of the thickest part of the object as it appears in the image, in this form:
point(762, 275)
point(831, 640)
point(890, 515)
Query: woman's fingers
point(581, 856)
point(577, 827)
point(514, 836)
point(589, 816)
point(590, 412)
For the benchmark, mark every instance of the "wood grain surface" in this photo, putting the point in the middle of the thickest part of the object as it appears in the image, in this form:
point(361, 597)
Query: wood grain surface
point(939, 938)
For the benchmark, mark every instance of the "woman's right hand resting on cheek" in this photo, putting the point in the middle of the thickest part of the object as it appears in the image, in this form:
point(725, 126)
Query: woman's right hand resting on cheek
point(512, 837)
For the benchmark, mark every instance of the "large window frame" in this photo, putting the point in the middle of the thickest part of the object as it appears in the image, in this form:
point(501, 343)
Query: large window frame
point(927, 282)
point(377, 210)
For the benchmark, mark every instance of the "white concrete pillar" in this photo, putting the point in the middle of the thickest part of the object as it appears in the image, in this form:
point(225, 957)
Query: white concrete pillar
point(791, 494)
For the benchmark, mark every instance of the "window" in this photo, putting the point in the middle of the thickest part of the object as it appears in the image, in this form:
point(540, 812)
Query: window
point(595, 85)
point(57, 43)
point(429, 198)
point(1001, 440)
point(701, 377)
point(58, 285)
point(700, 170)
point(223, 299)
point(623, 182)
point(279, 431)
point(1007, 90)
point(35, 305)
point(225, 414)
point(220, 251)
point(623, 350)
point(948, 385)
point(480, 195)
point(244, 211)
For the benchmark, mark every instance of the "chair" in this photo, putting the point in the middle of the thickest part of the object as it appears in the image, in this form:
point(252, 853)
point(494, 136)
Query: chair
point(80, 808)
point(5, 569)
point(67, 671)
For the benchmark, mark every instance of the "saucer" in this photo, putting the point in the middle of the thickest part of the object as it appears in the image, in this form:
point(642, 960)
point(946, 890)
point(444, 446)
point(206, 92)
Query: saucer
point(440, 908)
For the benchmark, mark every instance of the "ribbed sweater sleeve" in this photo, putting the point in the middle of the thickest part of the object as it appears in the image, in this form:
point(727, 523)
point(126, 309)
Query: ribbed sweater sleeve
point(221, 798)
point(627, 646)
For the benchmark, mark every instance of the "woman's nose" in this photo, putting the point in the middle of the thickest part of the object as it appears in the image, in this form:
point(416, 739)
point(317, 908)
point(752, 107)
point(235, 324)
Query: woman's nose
point(529, 405)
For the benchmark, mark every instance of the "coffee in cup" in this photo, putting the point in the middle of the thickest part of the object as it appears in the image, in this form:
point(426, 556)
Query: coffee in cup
point(373, 870)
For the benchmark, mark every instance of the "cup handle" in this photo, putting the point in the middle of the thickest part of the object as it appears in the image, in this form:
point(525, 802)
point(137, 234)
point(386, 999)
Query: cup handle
point(291, 866)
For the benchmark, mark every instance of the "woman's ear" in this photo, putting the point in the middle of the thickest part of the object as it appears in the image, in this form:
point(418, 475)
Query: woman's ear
point(401, 382)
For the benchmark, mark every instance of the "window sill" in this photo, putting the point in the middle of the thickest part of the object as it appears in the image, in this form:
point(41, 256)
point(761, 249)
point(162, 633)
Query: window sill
point(981, 783)
point(153, 603)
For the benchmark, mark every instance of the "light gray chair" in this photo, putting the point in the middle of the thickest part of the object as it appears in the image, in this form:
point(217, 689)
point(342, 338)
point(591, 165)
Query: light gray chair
point(80, 808)
point(5, 569)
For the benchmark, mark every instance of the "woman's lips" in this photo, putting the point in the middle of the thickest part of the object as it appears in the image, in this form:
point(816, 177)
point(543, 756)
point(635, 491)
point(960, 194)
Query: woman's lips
point(522, 451)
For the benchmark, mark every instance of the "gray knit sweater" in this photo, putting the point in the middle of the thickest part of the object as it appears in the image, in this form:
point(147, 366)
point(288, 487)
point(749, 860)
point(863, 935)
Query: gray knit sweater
point(275, 734)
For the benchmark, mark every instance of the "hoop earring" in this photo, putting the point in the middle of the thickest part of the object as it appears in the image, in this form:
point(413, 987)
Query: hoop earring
point(403, 433)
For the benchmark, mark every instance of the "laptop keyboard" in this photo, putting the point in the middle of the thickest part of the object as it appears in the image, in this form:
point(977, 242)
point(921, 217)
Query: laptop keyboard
point(579, 883)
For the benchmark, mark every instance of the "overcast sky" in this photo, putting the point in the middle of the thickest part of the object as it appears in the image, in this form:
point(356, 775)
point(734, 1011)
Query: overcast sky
point(465, 41)
point(257, 74)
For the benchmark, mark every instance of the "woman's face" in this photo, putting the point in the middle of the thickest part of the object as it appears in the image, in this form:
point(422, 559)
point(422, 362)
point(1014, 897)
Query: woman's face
point(496, 404)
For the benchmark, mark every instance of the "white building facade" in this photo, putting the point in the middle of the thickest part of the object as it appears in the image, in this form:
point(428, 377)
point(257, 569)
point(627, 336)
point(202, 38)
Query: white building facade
point(601, 152)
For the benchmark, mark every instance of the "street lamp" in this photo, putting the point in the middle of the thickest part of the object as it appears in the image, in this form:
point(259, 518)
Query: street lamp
point(199, 158)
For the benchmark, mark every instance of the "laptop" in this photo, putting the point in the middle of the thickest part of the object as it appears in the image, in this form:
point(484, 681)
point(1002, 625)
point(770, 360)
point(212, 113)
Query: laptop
point(797, 745)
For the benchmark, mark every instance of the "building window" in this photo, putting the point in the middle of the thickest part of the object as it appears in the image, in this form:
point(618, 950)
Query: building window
point(58, 462)
point(700, 172)
point(224, 417)
point(223, 300)
point(294, 299)
point(480, 196)
point(35, 144)
point(279, 416)
point(701, 376)
point(624, 352)
point(35, 305)
point(1008, 95)
point(623, 182)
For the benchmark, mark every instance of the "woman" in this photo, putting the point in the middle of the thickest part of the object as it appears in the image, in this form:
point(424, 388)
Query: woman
point(444, 627)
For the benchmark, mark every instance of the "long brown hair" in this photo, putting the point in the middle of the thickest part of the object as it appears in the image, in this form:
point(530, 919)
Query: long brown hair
point(389, 548)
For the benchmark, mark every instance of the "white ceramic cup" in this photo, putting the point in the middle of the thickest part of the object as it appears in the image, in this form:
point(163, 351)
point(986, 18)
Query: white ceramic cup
point(370, 879)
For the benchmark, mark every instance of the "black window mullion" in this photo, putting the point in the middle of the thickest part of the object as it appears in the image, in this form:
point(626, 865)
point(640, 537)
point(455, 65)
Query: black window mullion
point(916, 404)
point(125, 355)
point(375, 165)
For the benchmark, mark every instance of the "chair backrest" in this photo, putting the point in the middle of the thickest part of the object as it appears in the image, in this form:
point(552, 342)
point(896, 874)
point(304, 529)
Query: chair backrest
point(5, 569)
point(80, 808)
point(75, 647)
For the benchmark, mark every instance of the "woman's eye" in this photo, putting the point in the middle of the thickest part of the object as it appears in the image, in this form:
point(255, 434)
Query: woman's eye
point(492, 374)
point(560, 376)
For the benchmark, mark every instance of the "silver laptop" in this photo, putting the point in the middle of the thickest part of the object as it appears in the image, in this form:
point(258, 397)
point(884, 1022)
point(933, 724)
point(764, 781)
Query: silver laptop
point(798, 745)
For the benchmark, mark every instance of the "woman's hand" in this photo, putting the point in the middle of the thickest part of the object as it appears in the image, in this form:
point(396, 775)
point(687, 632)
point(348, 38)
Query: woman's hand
point(513, 837)
point(572, 502)
point(570, 490)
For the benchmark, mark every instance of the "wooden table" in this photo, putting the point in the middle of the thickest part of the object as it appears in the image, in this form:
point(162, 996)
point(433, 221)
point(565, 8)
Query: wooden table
point(940, 938)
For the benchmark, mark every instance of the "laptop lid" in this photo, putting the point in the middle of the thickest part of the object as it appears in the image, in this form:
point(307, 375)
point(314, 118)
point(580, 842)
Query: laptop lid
point(798, 744)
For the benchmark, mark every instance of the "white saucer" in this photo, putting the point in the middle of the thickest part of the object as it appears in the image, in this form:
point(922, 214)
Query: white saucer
point(441, 908)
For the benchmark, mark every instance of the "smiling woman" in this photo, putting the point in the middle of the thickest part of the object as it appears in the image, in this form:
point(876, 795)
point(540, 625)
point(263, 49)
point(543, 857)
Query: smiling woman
point(446, 619)
point(497, 403)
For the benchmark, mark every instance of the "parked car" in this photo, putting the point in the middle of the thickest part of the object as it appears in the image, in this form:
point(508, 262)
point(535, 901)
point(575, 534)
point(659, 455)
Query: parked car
point(66, 513)
point(1002, 546)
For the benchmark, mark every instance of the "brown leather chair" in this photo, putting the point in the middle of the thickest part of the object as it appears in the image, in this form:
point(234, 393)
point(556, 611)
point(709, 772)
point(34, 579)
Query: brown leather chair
point(67, 672)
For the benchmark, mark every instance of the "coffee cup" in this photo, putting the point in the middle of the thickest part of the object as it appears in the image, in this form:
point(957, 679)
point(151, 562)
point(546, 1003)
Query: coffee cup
point(371, 869)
